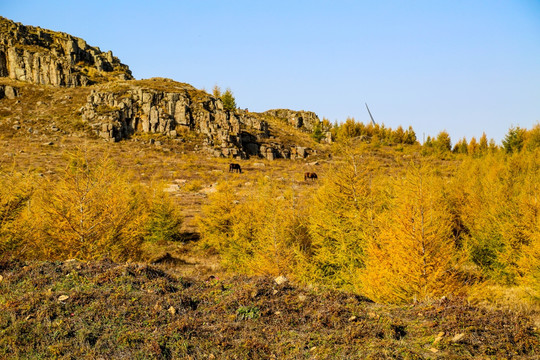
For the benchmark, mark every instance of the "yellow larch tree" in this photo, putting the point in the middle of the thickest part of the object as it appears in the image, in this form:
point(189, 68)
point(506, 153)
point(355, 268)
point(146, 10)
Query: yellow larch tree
point(90, 211)
point(413, 256)
point(341, 219)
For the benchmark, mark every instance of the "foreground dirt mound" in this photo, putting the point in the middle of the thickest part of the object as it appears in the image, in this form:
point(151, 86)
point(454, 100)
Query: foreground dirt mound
point(74, 310)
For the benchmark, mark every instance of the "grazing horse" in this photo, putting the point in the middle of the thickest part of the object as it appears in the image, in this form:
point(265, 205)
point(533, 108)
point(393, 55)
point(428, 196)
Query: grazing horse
point(235, 168)
point(310, 175)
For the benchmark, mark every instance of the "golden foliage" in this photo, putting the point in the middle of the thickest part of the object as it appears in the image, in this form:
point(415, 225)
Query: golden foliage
point(258, 234)
point(91, 210)
point(340, 222)
point(413, 256)
point(15, 193)
point(501, 212)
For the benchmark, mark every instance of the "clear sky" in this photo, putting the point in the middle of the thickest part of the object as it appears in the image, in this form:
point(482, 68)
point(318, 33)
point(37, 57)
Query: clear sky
point(461, 66)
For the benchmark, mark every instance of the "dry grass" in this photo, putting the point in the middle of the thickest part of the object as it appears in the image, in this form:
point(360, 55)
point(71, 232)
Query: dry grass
point(89, 310)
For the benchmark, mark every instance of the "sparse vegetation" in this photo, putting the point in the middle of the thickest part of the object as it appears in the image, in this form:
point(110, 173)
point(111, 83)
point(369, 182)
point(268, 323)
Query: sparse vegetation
point(446, 235)
point(76, 309)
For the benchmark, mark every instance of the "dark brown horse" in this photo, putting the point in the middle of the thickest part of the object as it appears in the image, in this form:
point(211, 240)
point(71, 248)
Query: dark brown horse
point(235, 168)
point(310, 175)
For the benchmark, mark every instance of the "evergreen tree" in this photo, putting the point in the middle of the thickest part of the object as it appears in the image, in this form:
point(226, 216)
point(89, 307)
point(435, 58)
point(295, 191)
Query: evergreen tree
point(473, 148)
point(514, 139)
point(410, 136)
point(443, 143)
point(317, 133)
point(533, 138)
point(341, 221)
point(461, 146)
point(229, 102)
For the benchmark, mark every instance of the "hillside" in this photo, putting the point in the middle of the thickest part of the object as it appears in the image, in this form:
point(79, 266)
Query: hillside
point(82, 310)
point(123, 233)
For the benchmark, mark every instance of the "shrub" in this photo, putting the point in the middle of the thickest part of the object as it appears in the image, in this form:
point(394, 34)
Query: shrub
point(15, 193)
point(93, 210)
point(164, 220)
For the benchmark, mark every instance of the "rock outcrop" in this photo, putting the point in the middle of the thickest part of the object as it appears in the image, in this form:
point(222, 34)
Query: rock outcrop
point(119, 106)
point(134, 107)
point(303, 120)
point(163, 106)
point(46, 57)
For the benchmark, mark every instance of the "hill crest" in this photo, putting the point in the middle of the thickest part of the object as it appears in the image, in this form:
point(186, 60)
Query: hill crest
point(119, 106)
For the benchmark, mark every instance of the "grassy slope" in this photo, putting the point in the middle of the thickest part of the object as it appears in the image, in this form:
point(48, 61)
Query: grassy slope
point(38, 147)
point(121, 311)
point(139, 311)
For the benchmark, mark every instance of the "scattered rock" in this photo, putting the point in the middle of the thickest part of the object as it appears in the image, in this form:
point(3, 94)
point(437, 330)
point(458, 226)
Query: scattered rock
point(302, 297)
point(458, 337)
point(48, 143)
point(438, 338)
point(63, 298)
point(280, 280)
point(433, 350)
point(16, 127)
point(209, 190)
point(353, 318)
point(172, 188)
point(172, 310)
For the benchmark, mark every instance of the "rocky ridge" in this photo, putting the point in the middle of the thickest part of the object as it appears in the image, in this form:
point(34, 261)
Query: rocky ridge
point(163, 106)
point(47, 57)
point(118, 106)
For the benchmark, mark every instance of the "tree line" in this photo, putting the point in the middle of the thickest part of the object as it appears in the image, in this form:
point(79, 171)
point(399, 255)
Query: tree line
point(414, 229)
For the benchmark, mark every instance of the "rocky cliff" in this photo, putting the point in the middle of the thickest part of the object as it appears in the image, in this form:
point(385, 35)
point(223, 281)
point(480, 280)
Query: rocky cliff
point(118, 106)
point(163, 106)
point(47, 57)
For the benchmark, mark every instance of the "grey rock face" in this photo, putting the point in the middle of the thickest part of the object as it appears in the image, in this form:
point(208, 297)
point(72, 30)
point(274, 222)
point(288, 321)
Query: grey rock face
point(46, 57)
point(304, 120)
point(118, 115)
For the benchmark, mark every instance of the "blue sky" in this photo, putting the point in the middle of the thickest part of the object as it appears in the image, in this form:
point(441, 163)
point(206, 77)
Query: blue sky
point(461, 66)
